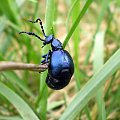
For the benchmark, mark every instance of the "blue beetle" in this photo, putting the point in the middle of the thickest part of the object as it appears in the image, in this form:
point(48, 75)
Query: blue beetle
point(60, 63)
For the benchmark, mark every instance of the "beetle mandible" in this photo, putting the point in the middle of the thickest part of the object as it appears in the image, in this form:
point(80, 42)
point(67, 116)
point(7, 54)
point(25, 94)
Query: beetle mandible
point(60, 63)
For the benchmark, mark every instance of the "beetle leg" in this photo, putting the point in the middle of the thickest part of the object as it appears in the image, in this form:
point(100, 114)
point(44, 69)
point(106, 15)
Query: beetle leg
point(46, 60)
point(44, 56)
point(47, 57)
point(43, 61)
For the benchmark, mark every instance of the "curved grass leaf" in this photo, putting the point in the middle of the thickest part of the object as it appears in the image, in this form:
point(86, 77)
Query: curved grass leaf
point(104, 4)
point(10, 118)
point(74, 5)
point(75, 24)
point(14, 79)
point(98, 62)
point(25, 111)
point(91, 88)
point(9, 9)
point(42, 99)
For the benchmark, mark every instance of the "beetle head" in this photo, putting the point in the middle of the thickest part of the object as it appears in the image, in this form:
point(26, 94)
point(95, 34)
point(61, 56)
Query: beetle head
point(48, 40)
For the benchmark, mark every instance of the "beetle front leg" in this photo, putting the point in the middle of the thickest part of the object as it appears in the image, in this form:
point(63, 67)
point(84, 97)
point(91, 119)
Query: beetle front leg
point(46, 57)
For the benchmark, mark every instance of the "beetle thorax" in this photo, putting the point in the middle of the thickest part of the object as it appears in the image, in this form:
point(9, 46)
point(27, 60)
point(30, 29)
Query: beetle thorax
point(56, 44)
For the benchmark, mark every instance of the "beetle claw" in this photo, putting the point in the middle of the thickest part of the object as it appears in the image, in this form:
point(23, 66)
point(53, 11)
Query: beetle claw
point(44, 61)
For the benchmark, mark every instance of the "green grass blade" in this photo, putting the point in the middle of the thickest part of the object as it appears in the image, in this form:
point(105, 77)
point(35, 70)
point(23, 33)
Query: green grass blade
point(25, 111)
point(14, 79)
point(74, 4)
point(75, 12)
point(9, 8)
point(75, 24)
point(76, 37)
point(98, 63)
point(104, 5)
point(49, 17)
point(93, 85)
point(10, 118)
point(2, 24)
point(54, 105)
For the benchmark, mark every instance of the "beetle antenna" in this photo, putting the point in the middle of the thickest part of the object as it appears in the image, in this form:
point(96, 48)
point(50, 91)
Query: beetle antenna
point(40, 22)
point(31, 33)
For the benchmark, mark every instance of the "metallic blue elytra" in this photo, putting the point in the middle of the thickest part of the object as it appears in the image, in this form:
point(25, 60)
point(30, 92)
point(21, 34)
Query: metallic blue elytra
point(60, 63)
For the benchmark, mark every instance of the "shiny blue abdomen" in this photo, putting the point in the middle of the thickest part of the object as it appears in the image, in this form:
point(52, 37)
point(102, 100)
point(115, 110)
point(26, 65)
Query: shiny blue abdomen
point(61, 69)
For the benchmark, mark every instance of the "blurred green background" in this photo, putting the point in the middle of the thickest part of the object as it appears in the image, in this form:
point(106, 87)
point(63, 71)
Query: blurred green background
point(89, 30)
